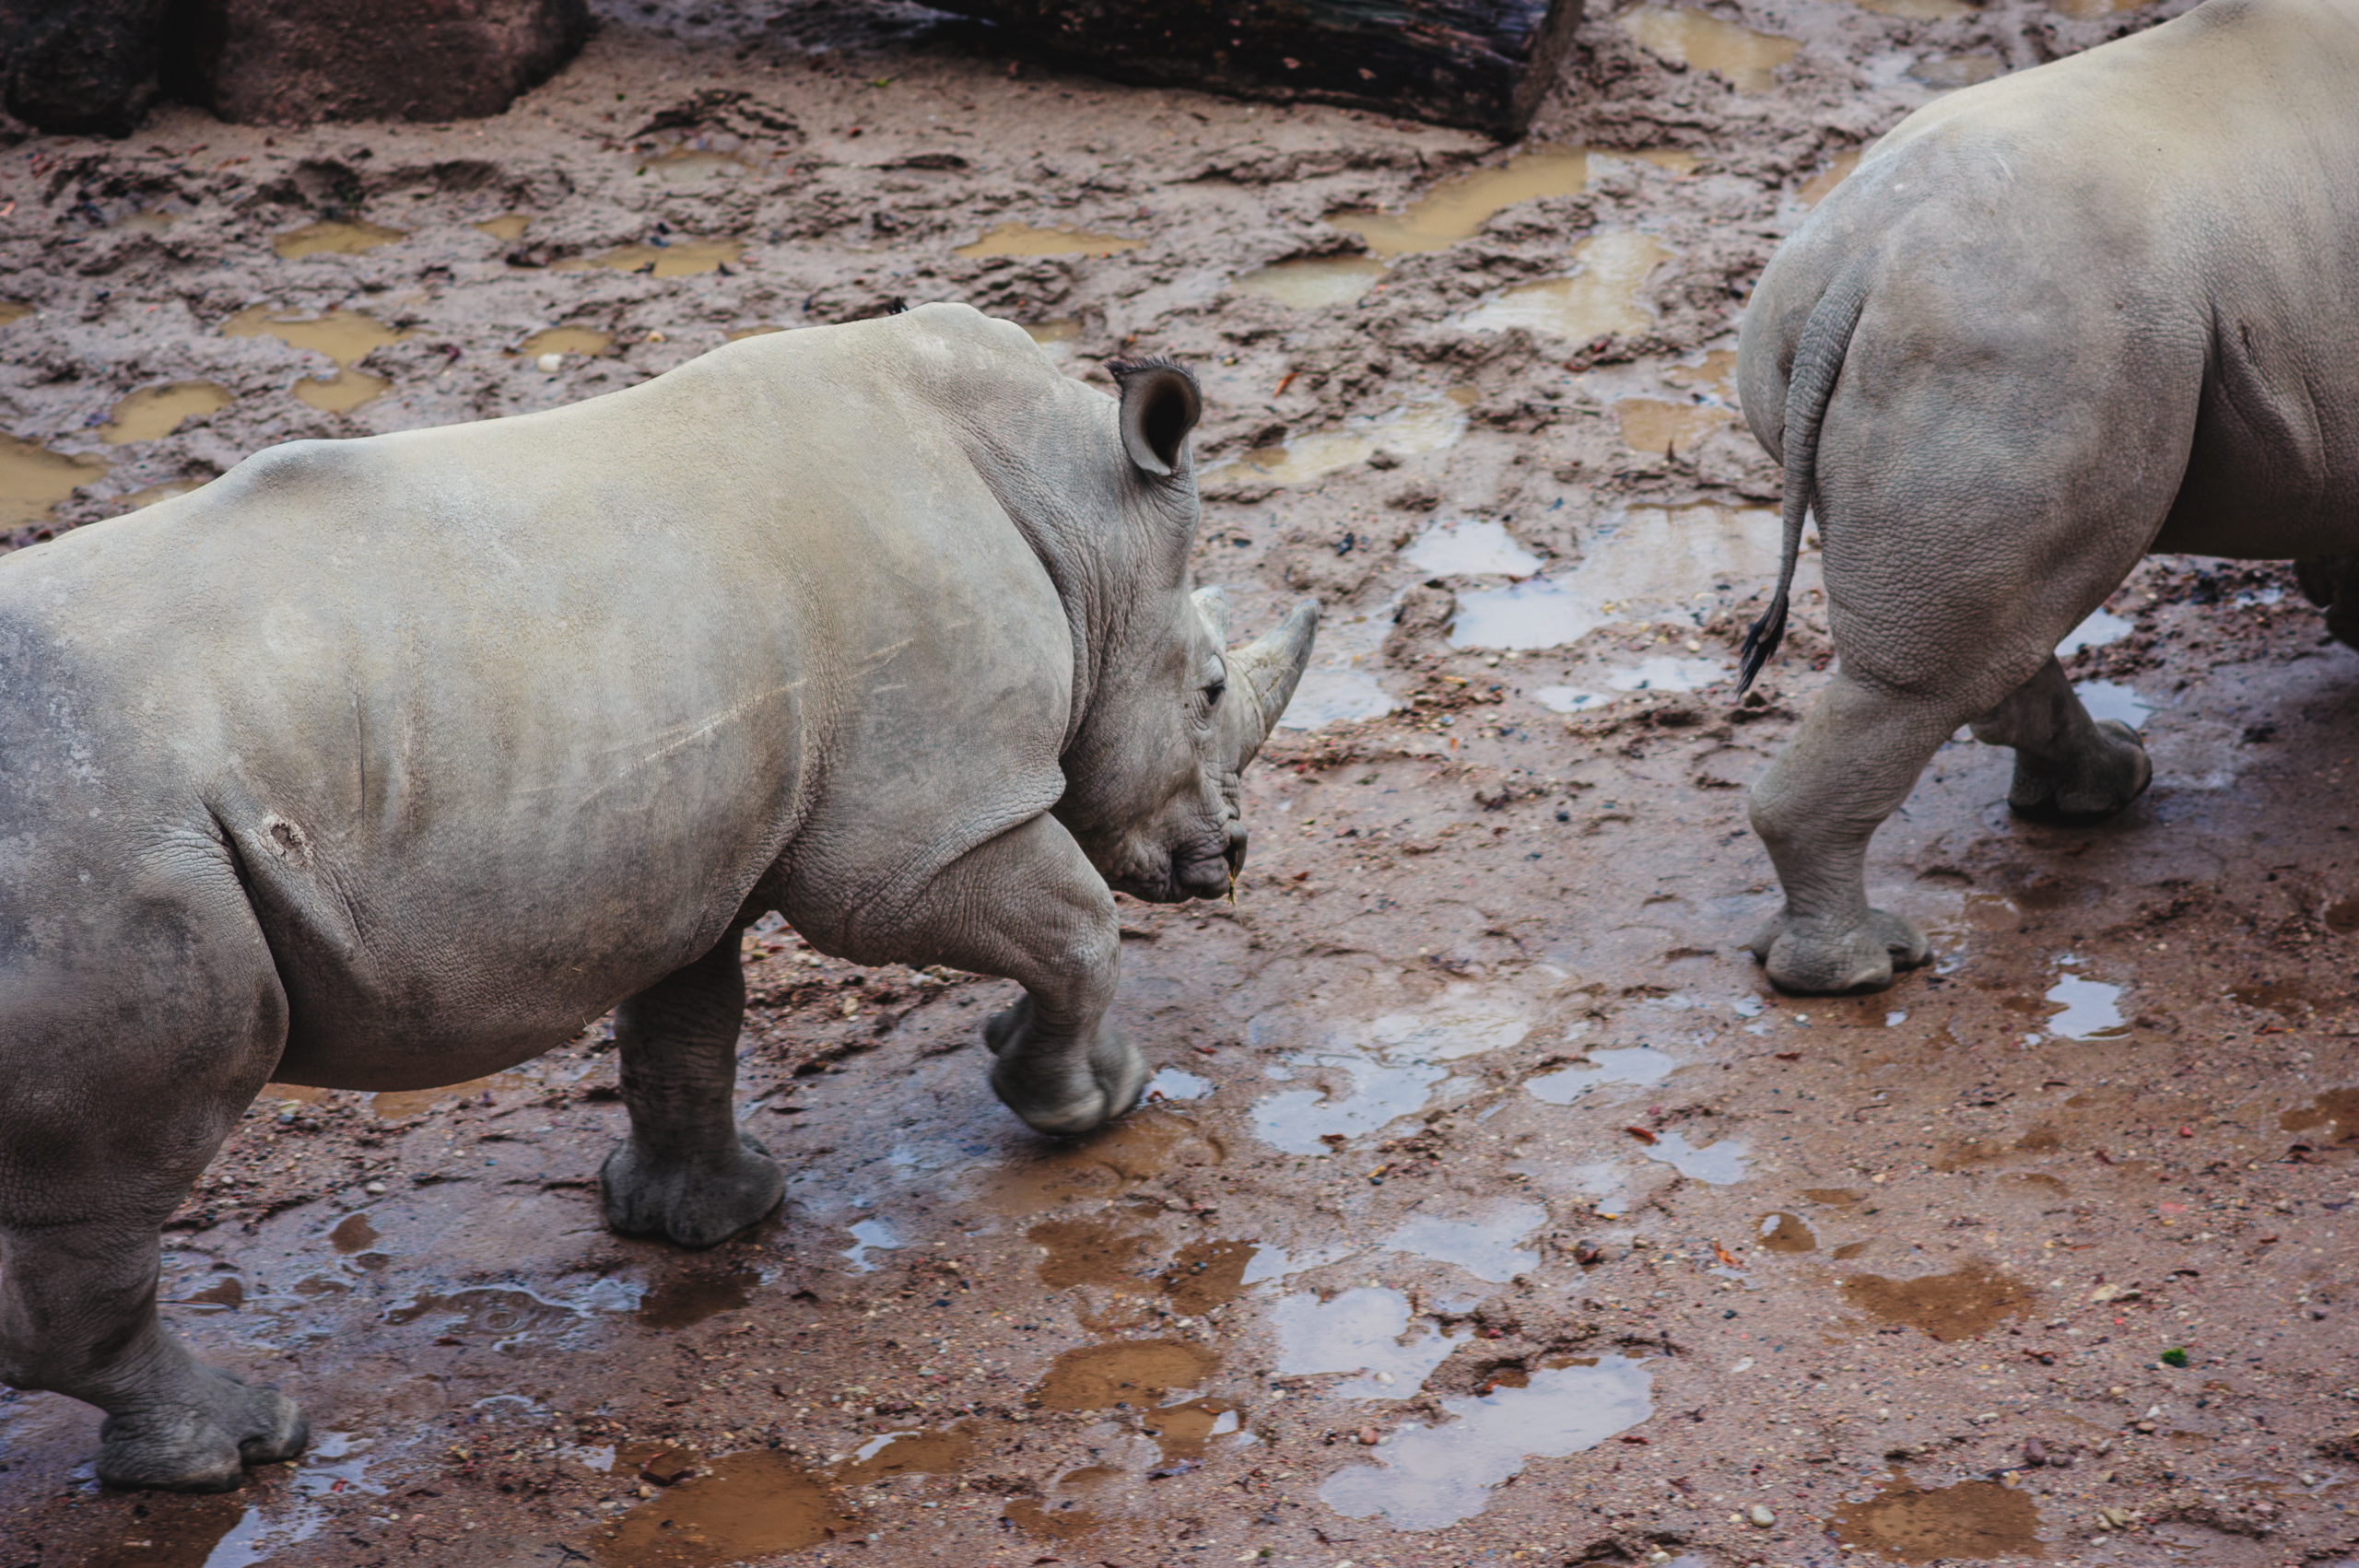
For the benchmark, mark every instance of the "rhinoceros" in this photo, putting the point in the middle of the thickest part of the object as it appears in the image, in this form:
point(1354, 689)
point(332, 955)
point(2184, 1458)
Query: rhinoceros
point(388, 763)
point(2051, 323)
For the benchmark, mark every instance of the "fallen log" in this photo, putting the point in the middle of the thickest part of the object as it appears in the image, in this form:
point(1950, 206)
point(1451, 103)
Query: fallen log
point(1482, 64)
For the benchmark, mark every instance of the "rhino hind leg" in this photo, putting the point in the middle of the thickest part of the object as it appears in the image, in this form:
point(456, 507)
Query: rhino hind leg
point(2070, 770)
point(687, 1172)
point(129, 1064)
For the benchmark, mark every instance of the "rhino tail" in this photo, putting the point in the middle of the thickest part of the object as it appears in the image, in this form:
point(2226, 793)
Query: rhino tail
point(1818, 363)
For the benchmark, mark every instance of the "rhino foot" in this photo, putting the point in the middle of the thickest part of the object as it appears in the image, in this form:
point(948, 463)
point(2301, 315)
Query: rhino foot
point(1062, 1088)
point(1814, 957)
point(696, 1202)
point(203, 1439)
point(2095, 784)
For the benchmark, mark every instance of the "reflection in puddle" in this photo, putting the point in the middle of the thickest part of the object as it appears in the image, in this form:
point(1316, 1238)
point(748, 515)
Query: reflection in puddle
point(345, 336)
point(690, 1296)
point(400, 1104)
point(1314, 284)
point(2091, 1010)
point(1336, 689)
point(1664, 673)
point(870, 1236)
point(1956, 1305)
point(1132, 1373)
point(1458, 206)
point(1748, 60)
point(330, 237)
point(1838, 169)
point(1470, 549)
point(1636, 1065)
point(1365, 1330)
point(1426, 1478)
point(1146, 1143)
point(1599, 300)
point(1461, 1021)
point(33, 480)
point(2102, 626)
point(1785, 1233)
point(1406, 431)
point(1650, 424)
point(1973, 1521)
point(155, 412)
point(739, 1506)
point(680, 258)
point(2109, 699)
point(1649, 559)
point(1392, 1075)
point(1171, 1083)
point(908, 1454)
point(505, 1314)
point(1716, 1164)
point(1487, 1249)
point(1024, 240)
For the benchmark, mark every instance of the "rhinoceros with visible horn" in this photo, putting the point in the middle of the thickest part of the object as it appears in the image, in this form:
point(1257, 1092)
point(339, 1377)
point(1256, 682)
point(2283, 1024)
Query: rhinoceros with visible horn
point(2051, 323)
point(386, 764)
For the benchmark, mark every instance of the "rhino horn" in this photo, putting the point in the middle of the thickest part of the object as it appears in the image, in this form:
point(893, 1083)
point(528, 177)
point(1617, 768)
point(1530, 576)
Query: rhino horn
point(1274, 664)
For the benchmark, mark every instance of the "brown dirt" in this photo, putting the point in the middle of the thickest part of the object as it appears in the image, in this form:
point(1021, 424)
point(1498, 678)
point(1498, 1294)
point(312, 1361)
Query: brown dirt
point(1377, 1203)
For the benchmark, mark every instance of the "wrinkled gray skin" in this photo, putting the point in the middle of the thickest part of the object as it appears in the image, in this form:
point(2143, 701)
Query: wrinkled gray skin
point(2052, 323)
point(391, 763)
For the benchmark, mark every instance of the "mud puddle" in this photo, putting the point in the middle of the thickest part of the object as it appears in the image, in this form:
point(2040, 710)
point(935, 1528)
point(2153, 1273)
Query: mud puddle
point(1973, 1520)
point(1747, 59)
point(735, 1506)
point(345, 337)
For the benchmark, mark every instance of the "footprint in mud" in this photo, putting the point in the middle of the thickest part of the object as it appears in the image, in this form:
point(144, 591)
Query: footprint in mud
point(747, 1504)
point(1132, 1373)
point(1973, 1521)
point(1968, 1301)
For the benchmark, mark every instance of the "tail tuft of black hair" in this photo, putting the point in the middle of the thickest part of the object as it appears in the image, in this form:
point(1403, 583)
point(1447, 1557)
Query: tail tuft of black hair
point(1761, 642)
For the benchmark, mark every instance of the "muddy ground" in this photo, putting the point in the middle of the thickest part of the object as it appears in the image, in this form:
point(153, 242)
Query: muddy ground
point(1488, 1207)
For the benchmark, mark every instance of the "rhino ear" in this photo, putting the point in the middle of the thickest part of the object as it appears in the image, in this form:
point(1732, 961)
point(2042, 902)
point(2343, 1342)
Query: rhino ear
point(1160, 405)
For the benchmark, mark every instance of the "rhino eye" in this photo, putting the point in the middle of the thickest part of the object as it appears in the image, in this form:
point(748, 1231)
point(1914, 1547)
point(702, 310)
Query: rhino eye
point(1212, 693)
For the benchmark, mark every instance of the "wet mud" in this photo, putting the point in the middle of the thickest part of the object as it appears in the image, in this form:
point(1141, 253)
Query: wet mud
point(1486, 1207)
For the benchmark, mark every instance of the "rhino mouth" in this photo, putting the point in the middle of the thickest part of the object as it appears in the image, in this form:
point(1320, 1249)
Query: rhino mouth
point(1191, 874)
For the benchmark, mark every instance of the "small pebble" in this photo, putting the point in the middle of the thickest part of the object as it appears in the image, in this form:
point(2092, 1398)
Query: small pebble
point(1371, 1437)
point(1760, 1515)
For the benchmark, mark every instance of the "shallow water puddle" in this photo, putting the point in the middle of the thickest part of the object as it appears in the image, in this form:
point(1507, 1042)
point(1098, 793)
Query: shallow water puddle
point(13, 310)
point(1650, 559)
point(505, 1314)
point(689, 1295)
point(1413, 429)
point(1973, 1521)
point(2091, 1009)
point(1172, 1084)
point(1956, 1305)
point(908, 1454)
point(2337, 1110)
point(1393, 1073)
point(1143, 1145)
point(588, 341)
point(238, 1531)
point(1025, 239)
point(1664, 673)
point(1463, 1021)
point(1599, 300)
point(1957, 70)
point(1136, 1373)
point(1488, 1249)
point(1746, 59)
point(400, 1104)
point(1184, 1431)
point(1205, 1274)
point(1651, 425)
point(1715, 1165)
point(1428, 1478)
point(1313, 283)
point(345, 336)
point(867, 1236)
point(1088, 1252)
point(1365, 1330)
point(508, 227)
point(1635, 1065)
point(746, 1504)
point(33, 480)
point(679, 258)
point(1785, 1232)
point(1459, 205)
point(155, 412)
point(1474, 548)
point(333, 238)
point(1337, 688)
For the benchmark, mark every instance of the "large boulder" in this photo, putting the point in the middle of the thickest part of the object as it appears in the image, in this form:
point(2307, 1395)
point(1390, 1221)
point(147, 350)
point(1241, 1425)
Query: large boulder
point(1484, 64)
point(294, 62)
point(79, 67)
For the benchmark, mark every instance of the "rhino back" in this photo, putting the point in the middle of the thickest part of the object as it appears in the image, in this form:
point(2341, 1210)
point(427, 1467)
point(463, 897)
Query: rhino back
point(505, 721)
point(2177, 212)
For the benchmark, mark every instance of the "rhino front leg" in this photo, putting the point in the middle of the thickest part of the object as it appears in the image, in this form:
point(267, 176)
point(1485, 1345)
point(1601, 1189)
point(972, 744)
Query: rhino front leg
point(687, 1172)
point(2069, 770)
point(1853, 761)
point(1029, 905)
